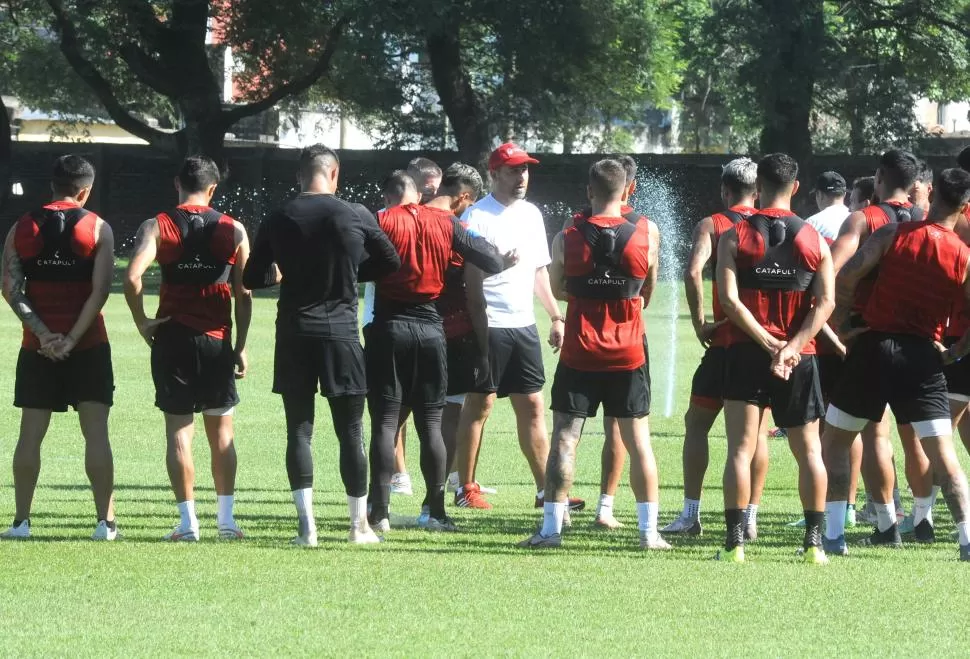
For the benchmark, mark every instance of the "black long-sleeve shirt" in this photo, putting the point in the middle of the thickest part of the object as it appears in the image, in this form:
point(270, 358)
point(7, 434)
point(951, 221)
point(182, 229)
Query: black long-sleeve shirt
point(319, 242)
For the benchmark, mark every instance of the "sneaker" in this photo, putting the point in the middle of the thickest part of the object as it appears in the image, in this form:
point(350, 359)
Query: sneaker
point(19, 532)
point(836, 547)
point(777, 433)
point(965, 552)
point(797, 524)
point(230, 532)
point(381, 526)
point(103, 532)
point(684, 525)
point(487, 490)
point(751, 532)
point(470, 496)
point(539, 541)
point(446, 525)
point(815, 556)
point(888, 538)
point(575, 504)
point(655, 542)
point(607, 523)
point(179, 534)
point(401, 484)
point(924, 533)
point(735, 555)
point(850, 517)
point(308, 539)
point(364, 536)
point(424, 516)
point(906, 526)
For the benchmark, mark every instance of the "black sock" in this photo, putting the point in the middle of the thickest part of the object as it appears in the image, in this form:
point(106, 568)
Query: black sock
point(111, 525)
point(813, 528)
point(18, 522)
point(734, 519)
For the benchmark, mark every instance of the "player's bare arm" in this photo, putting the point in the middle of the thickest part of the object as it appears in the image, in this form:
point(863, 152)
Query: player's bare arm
point(727, 288)
point(557, 269)
point(15, 293)
point(853, 233)
point(543, 291)
point(142, 256)
point(856, 268)
point(959, 350)
point(243, 299)
point(104, 265)
point(702, 247)
point(650, 284)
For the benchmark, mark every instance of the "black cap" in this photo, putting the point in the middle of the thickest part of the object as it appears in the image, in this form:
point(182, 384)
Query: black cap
point(831, 183)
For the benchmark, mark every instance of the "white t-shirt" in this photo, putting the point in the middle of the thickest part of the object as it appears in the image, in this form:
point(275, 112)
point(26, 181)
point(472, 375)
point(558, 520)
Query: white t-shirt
point(829, 221)
point(509, 295)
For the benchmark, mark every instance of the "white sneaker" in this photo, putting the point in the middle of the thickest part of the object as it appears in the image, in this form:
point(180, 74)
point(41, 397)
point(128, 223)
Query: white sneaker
point(103, 532)
point(487, 490)
point(446, 525)
point(401, 484)
point(383, 526)
point(308, 539)
point(179, 534)
point(656, 542)
point(230, 532)
point(19, 532)
point(364, 536)
point(685, 525)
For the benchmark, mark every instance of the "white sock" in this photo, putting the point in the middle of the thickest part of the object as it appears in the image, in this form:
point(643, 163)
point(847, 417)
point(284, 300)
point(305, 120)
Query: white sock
point(541, 494)
point(552, 515)
point(921, 509)
point(303, 499)
point(885, 514)
point(187, 518)
point(605, 507)
point(963, 528)
point(224, 510)
point(647, 518)
point(751, 514)
point(935, 493)
point(692, 509)
point(358, 511)
point(835, 519)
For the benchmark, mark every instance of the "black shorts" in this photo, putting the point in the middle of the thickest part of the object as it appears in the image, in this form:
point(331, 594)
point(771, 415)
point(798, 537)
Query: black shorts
point(192, 371)
point(303, 363)
point(830, 369)
point(794, 402)
point(901, 370)
point(462, 357)
point(707, 387)
point(957, 376)
point(514, 362)
point(623, 394)
point(84, 377)
point(407, 362)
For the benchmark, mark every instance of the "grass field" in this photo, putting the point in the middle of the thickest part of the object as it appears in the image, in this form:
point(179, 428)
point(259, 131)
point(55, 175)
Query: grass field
point(465, 594)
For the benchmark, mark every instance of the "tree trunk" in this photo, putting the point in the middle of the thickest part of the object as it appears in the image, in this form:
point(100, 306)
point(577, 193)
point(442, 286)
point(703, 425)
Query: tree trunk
point(464, 110)
point(568, 141)
point(790, 44)
point(6, 156)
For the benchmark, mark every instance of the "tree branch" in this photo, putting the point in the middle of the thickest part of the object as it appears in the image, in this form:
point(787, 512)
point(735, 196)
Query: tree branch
point(148, 70)
point(71, 48)
point(141, 14)
point(293, 87)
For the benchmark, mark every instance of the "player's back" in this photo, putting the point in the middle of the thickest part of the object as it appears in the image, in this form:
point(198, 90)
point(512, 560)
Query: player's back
point(423, 238)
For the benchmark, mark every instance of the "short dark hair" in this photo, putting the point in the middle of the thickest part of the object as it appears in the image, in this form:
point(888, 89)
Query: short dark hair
point(629, 166)
point(925, 172)
point(964, 159)
point(71, 174)
point(420, 169)
point(198, 173)
point(952, 188)
point(460, 177)
point(899, 169)
point(397, 184)
point(777, 171)
point(607, 179)
point(317, 159)
point(866, 185)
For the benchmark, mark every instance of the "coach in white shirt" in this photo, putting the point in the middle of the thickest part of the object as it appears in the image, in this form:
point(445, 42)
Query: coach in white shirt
point(829, 192)
point(509, 222)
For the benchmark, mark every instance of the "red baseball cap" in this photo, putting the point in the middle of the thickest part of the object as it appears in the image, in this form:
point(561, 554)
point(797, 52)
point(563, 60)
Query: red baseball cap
point(510, 155)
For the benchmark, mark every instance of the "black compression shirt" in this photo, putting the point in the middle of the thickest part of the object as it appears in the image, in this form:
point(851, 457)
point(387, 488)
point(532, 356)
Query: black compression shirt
point(319, 242)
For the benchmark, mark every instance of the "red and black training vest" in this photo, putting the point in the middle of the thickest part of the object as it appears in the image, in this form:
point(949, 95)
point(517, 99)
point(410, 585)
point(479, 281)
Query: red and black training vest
point(778, 256)
point(722, 222)
point(959, 322)
point(606, 262)
point(196, 251)
point(56, 246)
point(920, 276)
point(878, 216)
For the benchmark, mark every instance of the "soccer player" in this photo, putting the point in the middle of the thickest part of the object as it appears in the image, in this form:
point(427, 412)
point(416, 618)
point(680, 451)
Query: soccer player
point(922, 269)
point(202, 254)
point(738, 193)
point(57, 267)
point(776, 285)
point(405, 345)
point(830, 197)
point(600, 265)
point(510, 223)
point(313, 246)
point(863, 191)
point(922, 188)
